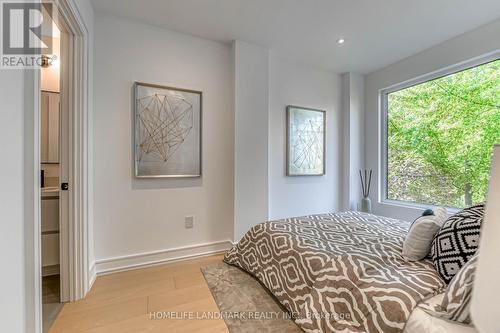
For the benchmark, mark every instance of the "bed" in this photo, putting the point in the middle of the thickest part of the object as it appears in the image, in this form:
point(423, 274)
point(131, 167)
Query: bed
point(420, 321)
point(338, 272)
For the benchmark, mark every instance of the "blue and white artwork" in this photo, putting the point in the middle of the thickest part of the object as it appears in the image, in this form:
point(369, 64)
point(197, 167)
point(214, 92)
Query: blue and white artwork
point(305, 141)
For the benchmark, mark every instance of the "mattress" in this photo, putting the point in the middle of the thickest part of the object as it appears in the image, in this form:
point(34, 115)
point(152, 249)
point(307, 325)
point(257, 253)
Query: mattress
point(338, 272)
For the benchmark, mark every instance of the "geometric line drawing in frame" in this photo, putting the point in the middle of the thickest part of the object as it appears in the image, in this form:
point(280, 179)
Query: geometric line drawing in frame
point(305, 141)
point(167, 131)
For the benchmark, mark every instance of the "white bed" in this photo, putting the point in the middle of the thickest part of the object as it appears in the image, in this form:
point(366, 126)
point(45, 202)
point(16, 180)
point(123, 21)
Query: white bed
point(422, 322)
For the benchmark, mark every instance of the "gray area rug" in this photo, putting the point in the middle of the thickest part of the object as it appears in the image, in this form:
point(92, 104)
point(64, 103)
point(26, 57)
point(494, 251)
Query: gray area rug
point(246, 306)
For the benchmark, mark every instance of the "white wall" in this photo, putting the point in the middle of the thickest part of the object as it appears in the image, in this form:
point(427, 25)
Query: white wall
point(142, 215)
point(251, 106)
point(352, 139)
point(462, 48)
point(293, 84)
point(12, 312)
point(245, 94)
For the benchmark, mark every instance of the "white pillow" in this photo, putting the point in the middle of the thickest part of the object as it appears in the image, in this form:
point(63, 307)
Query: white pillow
point(418, 241)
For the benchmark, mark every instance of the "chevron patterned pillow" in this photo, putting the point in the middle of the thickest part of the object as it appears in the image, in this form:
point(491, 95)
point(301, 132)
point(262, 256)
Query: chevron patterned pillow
point(457, 241)
point(455, 304)
point(456, 301)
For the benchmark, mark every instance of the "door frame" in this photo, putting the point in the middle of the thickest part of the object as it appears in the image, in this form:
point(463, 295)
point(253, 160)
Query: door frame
point(75, 239)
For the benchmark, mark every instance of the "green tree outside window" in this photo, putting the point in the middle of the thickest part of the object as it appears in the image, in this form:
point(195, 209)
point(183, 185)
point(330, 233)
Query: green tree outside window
point(440, 137)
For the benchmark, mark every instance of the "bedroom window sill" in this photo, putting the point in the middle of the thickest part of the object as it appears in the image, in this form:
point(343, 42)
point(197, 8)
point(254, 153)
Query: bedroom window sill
point(416, 206)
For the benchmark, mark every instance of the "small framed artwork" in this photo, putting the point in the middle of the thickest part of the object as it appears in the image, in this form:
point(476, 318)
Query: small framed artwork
point(167, 126)
point(305, 141)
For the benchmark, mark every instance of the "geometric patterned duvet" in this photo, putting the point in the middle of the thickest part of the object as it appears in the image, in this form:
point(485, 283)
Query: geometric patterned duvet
point(340, 272)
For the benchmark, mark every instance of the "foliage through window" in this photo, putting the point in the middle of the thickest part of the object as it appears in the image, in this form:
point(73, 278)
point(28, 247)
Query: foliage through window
point(440, 136)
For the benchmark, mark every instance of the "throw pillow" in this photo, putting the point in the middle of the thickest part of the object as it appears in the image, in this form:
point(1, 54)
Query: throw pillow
point(457, 241)
point(418, 241)
point(456, 301)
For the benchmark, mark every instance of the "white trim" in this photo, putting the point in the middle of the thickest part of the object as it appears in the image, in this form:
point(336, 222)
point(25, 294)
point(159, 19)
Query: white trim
point(65, 151)
point(33, 292)
point(75, 249)
point(415, 205)
point(36, 263)
point(92, 275)
point(146, 259)
point(449, 70)
point(32, 203)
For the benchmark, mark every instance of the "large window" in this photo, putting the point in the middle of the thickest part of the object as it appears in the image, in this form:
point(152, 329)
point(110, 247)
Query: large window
point(440, 136)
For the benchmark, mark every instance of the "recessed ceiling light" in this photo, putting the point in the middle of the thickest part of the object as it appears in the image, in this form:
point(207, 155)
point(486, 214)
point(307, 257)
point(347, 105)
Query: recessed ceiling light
point(340, 41)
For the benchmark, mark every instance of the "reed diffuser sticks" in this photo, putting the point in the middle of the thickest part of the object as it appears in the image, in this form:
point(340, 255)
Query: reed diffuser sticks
point(366, 182)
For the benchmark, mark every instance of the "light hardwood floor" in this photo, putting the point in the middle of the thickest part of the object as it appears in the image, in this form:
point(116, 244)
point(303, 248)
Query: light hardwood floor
point(122, 302)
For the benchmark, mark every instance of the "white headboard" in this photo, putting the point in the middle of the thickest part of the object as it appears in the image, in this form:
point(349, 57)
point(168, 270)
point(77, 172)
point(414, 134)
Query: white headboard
point(486, 293)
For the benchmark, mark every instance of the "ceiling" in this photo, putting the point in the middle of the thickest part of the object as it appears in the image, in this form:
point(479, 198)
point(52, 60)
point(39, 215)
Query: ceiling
point(377, 32)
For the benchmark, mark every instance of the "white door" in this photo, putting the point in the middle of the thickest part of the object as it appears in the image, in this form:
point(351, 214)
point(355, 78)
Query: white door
point(65, 166)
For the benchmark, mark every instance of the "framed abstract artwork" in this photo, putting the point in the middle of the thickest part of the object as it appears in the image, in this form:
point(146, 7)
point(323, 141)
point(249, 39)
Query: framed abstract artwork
point(167, 126)
point(305, 141)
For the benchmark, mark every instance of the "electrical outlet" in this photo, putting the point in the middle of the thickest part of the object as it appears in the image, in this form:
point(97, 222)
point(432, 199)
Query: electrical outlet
point(189, 222)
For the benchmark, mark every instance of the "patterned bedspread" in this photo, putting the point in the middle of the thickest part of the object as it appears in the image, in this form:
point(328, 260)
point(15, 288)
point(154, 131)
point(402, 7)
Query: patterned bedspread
point(338, 272)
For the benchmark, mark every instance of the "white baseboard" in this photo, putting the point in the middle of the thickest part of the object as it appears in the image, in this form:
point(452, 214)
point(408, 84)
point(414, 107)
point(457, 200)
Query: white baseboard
point(50, 270)
point(140, 260)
